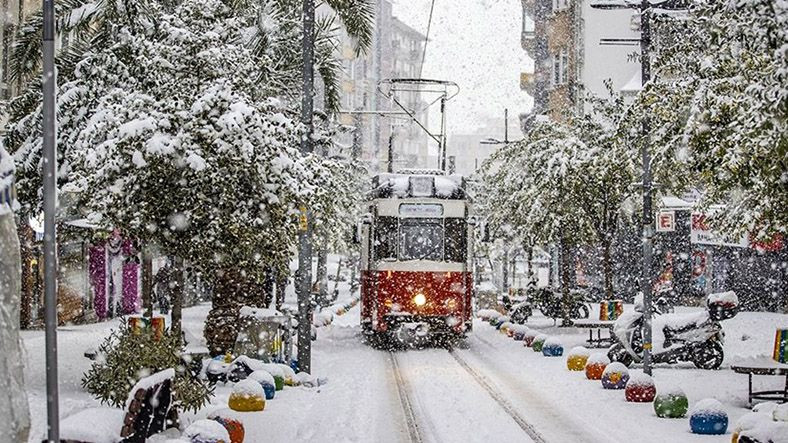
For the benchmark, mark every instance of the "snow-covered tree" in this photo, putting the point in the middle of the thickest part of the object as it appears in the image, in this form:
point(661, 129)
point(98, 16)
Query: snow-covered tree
point(180, 132)
point(720, 100)
point(533, 190)
point(566, 182)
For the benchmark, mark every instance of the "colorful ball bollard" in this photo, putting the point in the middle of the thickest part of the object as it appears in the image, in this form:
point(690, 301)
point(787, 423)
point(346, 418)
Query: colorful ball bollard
point(519, 333)
point(577, 358)
point(539, 342)
point(552, 348)
point(640, 388)
point(671, 403)
point(615, 376)
point(505, 327)
point(708, 417)
point(206, 431)
point(528, 338)
point(500, 321)
point(278, 374)
point(247, 396)
point(267, 381)
point(595, 366)
point(234, 428)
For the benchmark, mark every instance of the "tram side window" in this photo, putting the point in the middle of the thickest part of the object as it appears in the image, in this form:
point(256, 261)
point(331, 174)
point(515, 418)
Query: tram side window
point(386, 238)
point(456, 239)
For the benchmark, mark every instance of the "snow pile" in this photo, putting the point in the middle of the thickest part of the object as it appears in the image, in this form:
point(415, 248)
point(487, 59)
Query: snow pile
point(260, 313)
point(207, 431)
point(552, 342)
point(708, 406)
point(310, 381)
point(149, 382)
point(273, 369)
point(780, 412)
point(323, 318)
point(579, 351)
point(262, 377)
point(640, 379)
point(97, 425)
point(615, 368)
point(487, 314)
point(767, 422)
point(723, 298)
point(248, 388)
point(599, 358)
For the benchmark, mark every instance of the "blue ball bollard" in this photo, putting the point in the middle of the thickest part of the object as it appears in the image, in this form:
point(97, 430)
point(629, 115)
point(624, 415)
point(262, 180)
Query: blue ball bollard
point(708, 417)
point(267, 381)
point(552, 348)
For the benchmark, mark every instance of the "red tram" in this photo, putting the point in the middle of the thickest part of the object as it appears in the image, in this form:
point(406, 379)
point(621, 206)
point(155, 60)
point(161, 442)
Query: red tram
point(416, 257)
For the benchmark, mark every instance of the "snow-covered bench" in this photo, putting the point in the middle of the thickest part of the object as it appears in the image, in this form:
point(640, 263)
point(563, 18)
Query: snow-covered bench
point(145, 415)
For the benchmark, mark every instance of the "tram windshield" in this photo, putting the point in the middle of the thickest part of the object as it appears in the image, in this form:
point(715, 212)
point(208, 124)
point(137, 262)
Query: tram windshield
point(421, 239)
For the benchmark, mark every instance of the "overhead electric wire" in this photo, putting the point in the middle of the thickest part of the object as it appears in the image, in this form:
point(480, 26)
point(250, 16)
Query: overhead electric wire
point(426, 39)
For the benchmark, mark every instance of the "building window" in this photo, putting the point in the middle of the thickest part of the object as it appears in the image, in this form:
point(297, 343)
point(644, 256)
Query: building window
point(564, 67)
point(560, 68)
point(560, 5)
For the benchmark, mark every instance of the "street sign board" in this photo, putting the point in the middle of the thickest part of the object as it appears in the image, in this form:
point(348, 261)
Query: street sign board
point(666, 221)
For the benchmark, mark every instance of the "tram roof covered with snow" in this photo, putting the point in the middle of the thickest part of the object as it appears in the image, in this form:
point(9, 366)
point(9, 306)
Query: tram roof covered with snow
point(418, 184)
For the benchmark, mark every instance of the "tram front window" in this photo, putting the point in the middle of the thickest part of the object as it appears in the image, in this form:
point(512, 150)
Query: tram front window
point(421, 239)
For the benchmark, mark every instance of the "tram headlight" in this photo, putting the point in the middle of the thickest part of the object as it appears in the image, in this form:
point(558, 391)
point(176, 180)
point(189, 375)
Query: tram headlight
point(419, 299)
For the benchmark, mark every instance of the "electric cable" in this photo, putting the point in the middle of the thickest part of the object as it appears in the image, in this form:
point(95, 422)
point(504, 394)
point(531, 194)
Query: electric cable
point(426, 39)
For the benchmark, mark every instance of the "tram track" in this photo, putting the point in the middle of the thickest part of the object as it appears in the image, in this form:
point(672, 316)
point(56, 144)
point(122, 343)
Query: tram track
point(499, 398)
point(414, 433)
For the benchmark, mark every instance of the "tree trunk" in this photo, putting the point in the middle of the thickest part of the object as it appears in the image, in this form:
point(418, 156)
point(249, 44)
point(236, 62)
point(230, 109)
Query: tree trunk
point(505, 276)
point(25, 242)
point(281, 286)
point(176, 292)
point(335, 292)
point(147, 283)
point(321, 279)
point(232, 291)
point(531, 276)
point(354, 265)
point(607, 264)
point(566, 276)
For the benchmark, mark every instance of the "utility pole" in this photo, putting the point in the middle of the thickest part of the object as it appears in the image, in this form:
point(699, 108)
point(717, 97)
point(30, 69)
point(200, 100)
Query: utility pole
point(647, 185)
point(49, 157)
point(506, 125)
point(304, 277)
point(648, 214)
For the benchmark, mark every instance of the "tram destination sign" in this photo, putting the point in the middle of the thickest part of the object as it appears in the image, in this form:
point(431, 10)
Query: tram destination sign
point(421, 210)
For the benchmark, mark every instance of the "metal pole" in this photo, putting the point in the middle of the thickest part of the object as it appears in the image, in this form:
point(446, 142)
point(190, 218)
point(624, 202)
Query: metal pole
point(442, 147)
point(304, 277)
point(506, 125)
point(648, 222)
point(390, 167)
point(49, 158)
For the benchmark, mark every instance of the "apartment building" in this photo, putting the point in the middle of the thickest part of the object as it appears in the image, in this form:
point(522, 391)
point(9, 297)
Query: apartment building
point(395, 53)
point(573, 50)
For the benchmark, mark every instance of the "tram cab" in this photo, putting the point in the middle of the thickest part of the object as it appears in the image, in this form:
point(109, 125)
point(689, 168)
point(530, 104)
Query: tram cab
point(416, 255)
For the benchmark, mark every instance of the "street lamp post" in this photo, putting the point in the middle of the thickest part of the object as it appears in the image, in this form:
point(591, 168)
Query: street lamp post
point(647, 185)
point(49, 163)
point(304, 276)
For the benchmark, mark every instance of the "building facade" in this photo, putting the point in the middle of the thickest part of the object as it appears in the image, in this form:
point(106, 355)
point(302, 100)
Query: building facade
point(395, 53)
point(570, 43)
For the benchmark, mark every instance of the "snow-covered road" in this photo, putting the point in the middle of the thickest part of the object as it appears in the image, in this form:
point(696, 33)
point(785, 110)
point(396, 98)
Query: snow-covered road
point(489, 389)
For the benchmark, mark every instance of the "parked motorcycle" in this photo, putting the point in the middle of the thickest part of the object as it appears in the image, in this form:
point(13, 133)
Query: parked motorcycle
point(551, 303)
point(695, 337)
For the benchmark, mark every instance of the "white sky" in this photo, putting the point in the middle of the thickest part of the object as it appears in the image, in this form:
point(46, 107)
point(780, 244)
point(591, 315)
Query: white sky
point(475, 43)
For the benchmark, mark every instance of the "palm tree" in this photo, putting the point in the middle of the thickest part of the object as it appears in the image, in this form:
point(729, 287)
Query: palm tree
point(93, 24)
